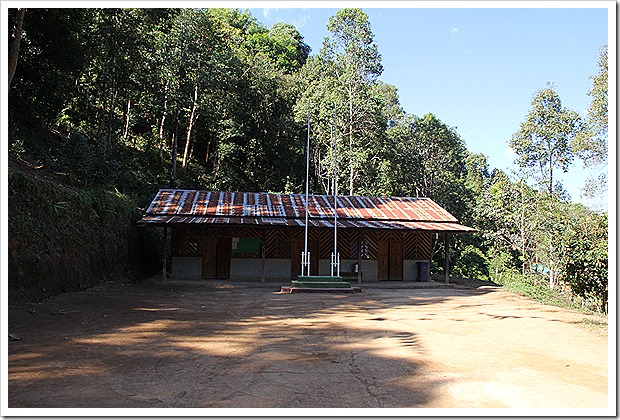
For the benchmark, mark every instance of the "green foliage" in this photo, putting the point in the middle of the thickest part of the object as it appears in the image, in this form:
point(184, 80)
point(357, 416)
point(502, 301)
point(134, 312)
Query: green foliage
point(592, 143)
point(342, 90)
point(544, 138)
point(532, 286)
point(472, 263)
point(500, 263)
point(586, 260)
point(428, 160)
point(478, 176)
point(282, 46)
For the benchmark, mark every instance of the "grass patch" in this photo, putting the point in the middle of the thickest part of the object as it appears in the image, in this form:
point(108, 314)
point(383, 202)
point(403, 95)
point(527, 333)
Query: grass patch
point(597, 325)
point(534, 287)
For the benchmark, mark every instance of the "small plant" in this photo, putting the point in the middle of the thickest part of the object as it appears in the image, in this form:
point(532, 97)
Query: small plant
point(59, 207)
point(17, 147)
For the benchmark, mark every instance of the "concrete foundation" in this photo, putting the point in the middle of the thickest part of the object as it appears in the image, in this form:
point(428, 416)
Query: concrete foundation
point(186, 267)
point(410, 270)
point(251, 269)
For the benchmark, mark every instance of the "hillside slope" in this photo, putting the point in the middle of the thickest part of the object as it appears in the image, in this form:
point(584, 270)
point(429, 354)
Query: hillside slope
point(62, 238)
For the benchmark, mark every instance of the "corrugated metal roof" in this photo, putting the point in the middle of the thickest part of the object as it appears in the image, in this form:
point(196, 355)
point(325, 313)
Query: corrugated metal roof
point(231, 204)
point(176, 206)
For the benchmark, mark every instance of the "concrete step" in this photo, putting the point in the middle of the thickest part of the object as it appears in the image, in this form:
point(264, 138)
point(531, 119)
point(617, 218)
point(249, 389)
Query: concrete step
point(290, 289)
point(320, 279)
point(321, 284)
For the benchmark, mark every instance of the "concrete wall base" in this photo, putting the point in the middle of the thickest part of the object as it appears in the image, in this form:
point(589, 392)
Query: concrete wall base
point(251, 269)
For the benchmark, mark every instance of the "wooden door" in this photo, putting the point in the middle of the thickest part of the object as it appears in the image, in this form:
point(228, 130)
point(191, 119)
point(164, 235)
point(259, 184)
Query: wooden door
point(313, 248)
point(224, 247)
point(383, 260)
point(216, 258)
point(297, 247)
point(209, 258)
point(396, 260)
point(390, 260)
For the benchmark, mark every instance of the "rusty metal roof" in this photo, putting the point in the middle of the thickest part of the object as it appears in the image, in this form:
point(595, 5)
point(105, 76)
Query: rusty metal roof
point(178, 206)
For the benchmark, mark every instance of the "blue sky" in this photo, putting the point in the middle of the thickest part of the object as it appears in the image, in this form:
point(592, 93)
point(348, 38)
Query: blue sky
point(477, 69)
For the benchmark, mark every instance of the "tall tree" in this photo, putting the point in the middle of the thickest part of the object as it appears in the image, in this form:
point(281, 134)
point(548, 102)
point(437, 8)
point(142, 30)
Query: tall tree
point(343, 76)
point(51, 59)
point(544, 138)
point(429, 160)
point(16, 36)
point(478, 176)
point(257, 132)
point(505, 214)
point(591, 146)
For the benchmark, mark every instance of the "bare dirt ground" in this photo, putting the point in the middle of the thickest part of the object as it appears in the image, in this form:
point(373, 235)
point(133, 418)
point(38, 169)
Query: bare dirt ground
point(196, 344)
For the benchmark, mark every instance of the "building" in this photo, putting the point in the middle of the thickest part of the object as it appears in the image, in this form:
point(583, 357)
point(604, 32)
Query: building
point(260, 236)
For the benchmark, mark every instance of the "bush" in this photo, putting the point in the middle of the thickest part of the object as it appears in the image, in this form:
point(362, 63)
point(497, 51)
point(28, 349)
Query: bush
point(586, 261)
point(535, 287)
point(472, 263)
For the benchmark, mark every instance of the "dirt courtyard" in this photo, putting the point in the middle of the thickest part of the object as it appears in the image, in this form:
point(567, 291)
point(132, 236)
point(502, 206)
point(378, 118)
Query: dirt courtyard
point(197, 344)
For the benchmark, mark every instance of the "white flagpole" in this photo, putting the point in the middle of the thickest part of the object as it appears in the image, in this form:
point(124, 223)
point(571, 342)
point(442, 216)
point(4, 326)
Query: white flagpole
point(336, 263)
point(306, 257)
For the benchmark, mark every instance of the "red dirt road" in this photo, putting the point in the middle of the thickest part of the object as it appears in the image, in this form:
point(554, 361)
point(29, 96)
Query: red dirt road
point(225, 345)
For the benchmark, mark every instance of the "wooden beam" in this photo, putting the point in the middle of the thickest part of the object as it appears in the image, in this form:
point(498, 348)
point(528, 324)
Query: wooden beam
point(163, 270)
point(262, 260)
point(359, 258)
point(446, 245)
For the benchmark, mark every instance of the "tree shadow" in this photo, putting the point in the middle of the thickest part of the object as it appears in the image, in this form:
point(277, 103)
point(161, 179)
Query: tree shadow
point(193, 345)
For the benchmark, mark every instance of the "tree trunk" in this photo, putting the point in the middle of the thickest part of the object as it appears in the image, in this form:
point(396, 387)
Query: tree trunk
point(551, 279)
point(351, 158)
point(446, 269)
point(550, 180)
point(16, 36)
point(127, 121)
point(161, 125)
point(111, 110)
point(174, 151)
point(190, 125)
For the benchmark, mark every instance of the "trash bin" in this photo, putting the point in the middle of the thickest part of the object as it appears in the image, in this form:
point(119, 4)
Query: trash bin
point(423, 274)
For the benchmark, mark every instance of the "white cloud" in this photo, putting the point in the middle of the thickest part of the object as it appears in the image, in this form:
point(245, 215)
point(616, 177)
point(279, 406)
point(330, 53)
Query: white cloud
point(301, 21)
point(456, 34)
point(267, 13)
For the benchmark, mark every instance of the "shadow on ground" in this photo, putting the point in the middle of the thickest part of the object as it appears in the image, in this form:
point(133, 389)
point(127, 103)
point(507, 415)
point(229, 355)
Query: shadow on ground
point(215, 345)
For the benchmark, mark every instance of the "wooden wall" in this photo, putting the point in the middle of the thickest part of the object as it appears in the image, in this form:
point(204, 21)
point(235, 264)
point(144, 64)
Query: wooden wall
point(187, 241)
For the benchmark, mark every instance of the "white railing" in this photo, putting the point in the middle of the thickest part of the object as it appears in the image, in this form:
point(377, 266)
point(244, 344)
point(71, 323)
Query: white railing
point(335, 264)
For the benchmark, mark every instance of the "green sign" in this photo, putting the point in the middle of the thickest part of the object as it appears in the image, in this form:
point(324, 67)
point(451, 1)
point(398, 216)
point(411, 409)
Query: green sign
point(246, 245)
